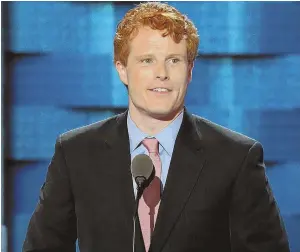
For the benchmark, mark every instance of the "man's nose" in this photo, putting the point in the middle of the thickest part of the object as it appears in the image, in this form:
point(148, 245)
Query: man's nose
point(162, 72)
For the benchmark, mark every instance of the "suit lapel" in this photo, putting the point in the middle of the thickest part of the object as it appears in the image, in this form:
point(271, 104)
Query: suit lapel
point(117, 143)
point(185, 168)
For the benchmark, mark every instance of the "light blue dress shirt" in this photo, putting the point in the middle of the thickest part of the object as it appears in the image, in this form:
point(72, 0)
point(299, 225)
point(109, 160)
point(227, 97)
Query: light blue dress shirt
point(166, 139)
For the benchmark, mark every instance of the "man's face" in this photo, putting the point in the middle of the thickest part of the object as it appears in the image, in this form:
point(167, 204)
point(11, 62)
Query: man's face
point(157, 74)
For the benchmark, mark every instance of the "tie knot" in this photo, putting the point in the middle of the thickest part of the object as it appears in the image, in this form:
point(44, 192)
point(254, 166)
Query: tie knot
point(151, 144)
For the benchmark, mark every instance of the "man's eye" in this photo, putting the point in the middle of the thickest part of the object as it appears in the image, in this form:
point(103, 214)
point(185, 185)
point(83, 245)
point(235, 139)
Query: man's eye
point(175, 60)
point(146, 60)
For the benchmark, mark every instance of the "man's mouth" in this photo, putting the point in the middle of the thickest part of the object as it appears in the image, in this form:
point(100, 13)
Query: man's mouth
point(160, 90)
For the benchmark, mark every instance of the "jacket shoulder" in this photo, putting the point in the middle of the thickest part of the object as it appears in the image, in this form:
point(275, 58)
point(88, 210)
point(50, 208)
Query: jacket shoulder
point(88, 131)
point(214, 132)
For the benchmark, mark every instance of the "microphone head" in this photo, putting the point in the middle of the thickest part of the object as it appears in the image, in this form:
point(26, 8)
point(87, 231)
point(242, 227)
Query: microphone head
point(142, 167)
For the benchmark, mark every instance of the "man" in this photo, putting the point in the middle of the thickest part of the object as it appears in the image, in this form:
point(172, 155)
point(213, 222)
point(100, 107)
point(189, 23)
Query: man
point(214, 192)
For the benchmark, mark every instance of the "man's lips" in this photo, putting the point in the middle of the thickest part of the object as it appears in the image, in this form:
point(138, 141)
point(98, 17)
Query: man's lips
point(160, 90)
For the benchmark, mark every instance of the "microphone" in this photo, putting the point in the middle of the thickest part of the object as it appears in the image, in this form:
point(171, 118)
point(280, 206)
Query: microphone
point(143, 173)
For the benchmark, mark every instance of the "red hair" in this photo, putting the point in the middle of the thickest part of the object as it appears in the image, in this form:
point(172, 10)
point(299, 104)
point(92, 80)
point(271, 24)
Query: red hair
point(157, 16)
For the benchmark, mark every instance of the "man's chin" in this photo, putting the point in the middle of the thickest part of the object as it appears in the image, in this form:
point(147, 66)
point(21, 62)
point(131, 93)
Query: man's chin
point(164, 115)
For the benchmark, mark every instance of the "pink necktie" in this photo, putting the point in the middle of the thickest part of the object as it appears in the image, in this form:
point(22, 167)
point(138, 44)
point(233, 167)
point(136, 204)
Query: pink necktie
point(150, 200)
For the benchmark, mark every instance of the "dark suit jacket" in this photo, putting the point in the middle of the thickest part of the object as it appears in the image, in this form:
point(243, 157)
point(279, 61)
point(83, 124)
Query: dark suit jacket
point(216, 198)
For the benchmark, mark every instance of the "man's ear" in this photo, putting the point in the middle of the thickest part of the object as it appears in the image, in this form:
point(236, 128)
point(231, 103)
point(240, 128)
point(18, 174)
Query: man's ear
point(122, 72)
point(190, 71)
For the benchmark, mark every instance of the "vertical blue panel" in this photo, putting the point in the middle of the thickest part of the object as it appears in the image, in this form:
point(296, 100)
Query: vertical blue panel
point(278, 130)
point(27, 181)
point(292, 223)
point(284, 180)
point(245, 27)
point(62, 27)
point(35, 128)
point(69, 80)
point(272, 83)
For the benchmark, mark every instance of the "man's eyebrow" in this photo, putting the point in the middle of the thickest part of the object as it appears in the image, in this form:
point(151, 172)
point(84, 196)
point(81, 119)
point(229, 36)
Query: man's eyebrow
point(152, 56)
point(144, 56)
point(175, 55)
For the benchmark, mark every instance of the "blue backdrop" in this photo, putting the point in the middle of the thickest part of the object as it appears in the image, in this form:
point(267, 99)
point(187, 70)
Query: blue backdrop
point(61, 76)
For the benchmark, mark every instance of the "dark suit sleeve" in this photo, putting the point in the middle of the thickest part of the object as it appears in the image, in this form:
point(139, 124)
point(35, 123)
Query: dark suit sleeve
point(255, 221)
point(53, 224)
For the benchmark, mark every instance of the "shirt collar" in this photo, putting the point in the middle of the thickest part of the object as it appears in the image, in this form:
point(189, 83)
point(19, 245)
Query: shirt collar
point(166, 137)
point(135, 134)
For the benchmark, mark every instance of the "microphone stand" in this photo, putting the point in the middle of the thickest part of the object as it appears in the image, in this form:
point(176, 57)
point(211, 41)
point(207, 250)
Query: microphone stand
point(140, 181)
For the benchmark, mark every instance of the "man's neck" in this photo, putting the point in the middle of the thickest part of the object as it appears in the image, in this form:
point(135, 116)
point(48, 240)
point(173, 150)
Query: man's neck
point(150, 124)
